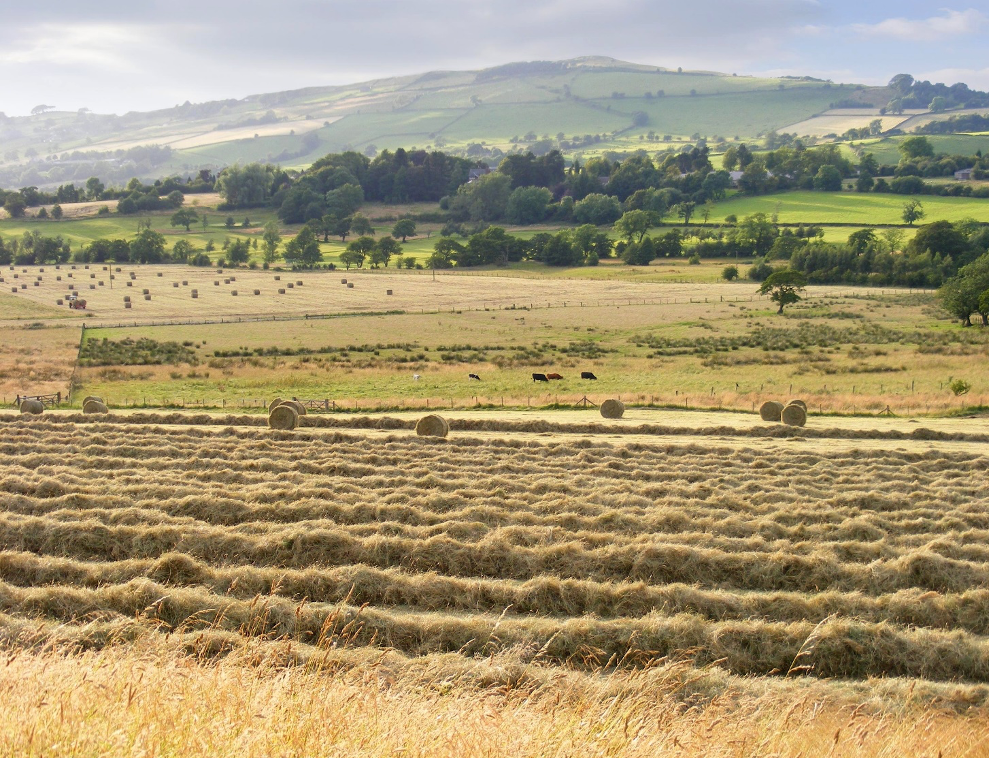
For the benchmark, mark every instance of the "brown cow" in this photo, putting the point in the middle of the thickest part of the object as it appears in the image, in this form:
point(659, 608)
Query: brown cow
point(553, 376)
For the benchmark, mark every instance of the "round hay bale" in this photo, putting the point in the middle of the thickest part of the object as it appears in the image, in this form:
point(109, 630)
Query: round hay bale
point(794, 415)
point(278, 278)
point(801, 403)
point(257, 292)
point(90, 398)
point(350, 285)
point(94, 406)
point(432, 426)
point(299, 407)
point(233, 292)
point(127, 304)
point(612, 408)
point(771, 411)
point(58, 302)
point(35, 407)
point(281, 291)
point(274, 404)
point(283, 417)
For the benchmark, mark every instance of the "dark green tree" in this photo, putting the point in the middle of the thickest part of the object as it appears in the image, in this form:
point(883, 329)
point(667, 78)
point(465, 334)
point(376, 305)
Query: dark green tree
point(784, 287)
point(404, 228)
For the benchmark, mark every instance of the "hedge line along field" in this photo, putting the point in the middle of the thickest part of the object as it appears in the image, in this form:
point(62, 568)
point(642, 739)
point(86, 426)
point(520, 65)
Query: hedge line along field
point(676, 586)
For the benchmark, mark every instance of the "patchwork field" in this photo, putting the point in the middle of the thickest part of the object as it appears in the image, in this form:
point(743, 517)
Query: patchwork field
point(782, 592)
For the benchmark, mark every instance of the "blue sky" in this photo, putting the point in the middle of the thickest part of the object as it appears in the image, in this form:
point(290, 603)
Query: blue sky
point(120, 55)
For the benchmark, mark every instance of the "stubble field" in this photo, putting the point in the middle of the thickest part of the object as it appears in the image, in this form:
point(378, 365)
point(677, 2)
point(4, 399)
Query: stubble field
point(781, 590)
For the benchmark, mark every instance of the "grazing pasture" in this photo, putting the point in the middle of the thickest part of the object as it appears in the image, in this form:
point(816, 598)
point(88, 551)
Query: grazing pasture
point(757, 581)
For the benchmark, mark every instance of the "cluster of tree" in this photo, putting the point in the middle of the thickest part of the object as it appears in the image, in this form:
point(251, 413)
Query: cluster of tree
point(909, 93)
point(918, 158)
point(582, 246)
point(113, 167)
point(971, 122)
point(33, 249)
point(792, 167)
point(162, 194)
point(937, 252)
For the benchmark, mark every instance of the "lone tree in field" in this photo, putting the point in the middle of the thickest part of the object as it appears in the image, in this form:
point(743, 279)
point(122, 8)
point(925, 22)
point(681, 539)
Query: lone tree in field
point(783, 287)
point(272, 238)
point(404, 228)
point(729, 273)
point(913, 211)
point(304, 248)
point(184, 217)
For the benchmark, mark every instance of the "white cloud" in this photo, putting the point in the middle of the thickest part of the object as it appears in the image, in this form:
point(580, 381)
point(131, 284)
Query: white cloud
point(951, 24)
point(975, 78)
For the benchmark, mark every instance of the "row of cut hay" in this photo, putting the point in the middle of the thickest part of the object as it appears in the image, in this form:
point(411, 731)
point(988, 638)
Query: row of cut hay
point(533, 426)
point(360, 585)
point(844, 648)
point(300, 546)
point(478, 511)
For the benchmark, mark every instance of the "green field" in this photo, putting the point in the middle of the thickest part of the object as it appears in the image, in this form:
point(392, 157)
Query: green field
point(849, 208)
point(887, 151)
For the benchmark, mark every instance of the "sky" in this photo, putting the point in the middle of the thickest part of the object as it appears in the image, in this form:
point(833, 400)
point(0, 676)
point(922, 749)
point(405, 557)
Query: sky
point(114, 56)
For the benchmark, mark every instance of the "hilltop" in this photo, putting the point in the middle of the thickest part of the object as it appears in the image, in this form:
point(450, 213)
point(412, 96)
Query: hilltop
point(581, 106)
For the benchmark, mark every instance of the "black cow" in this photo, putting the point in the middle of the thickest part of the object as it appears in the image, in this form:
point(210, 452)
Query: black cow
point(539, 378)
point(473, 378)
point(587, 375)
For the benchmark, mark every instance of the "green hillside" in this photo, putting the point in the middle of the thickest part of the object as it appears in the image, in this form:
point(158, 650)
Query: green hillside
point(606, 104)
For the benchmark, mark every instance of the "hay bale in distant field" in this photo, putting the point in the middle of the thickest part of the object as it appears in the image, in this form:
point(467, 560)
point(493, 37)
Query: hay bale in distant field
point(94, 406)
point(35, 407)
point(801, 403)
point(612, 408)
point(350, 285)
point(432, 426)
point(771, 411)
point(794, 415)
point(127, 304)
point(274, 404)
point(89, 398)
point(257, 292)
point(283, 417)
point(58, 302)
point(281, 291)
point(299, 407)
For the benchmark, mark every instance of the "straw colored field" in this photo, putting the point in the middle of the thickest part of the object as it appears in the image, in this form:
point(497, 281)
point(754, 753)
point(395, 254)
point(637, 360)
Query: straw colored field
point(159, 699)
point(37, 359)
point(690, 586)
point(840, 120)
point(848, 354)
point(323, 292)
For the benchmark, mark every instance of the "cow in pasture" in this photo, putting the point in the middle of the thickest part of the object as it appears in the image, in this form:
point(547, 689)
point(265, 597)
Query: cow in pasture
point(587, 375)
point(473, 378)
point(416, 377)
point(539, 378)
point(553, 376)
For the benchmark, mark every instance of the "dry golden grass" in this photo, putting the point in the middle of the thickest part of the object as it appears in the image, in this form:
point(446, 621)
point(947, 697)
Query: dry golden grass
point(203, 585)
point(153, 700)
point(37, 359)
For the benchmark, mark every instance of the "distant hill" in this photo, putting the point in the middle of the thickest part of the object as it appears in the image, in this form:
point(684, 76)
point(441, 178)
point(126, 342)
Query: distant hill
point(583, 106)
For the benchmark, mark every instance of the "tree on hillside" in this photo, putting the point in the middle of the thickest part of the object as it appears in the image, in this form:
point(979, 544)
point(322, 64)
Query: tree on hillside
point(147, 247)
point(916, 147)
point(272, 239)
point(15, 205)
point(361, 226)
point(184, 217)
point(383, 251)
point(404, 228)
point(685, 210)
point(358, 250)
point(784, 287)
point(913, 211)
point(304, 248)
point(634, 224)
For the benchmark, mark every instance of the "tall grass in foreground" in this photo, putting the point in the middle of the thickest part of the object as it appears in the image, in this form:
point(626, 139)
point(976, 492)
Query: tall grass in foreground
point(150, 699)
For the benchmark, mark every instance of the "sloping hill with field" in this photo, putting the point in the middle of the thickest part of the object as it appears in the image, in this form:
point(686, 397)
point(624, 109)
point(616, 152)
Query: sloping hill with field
point(587, 104)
